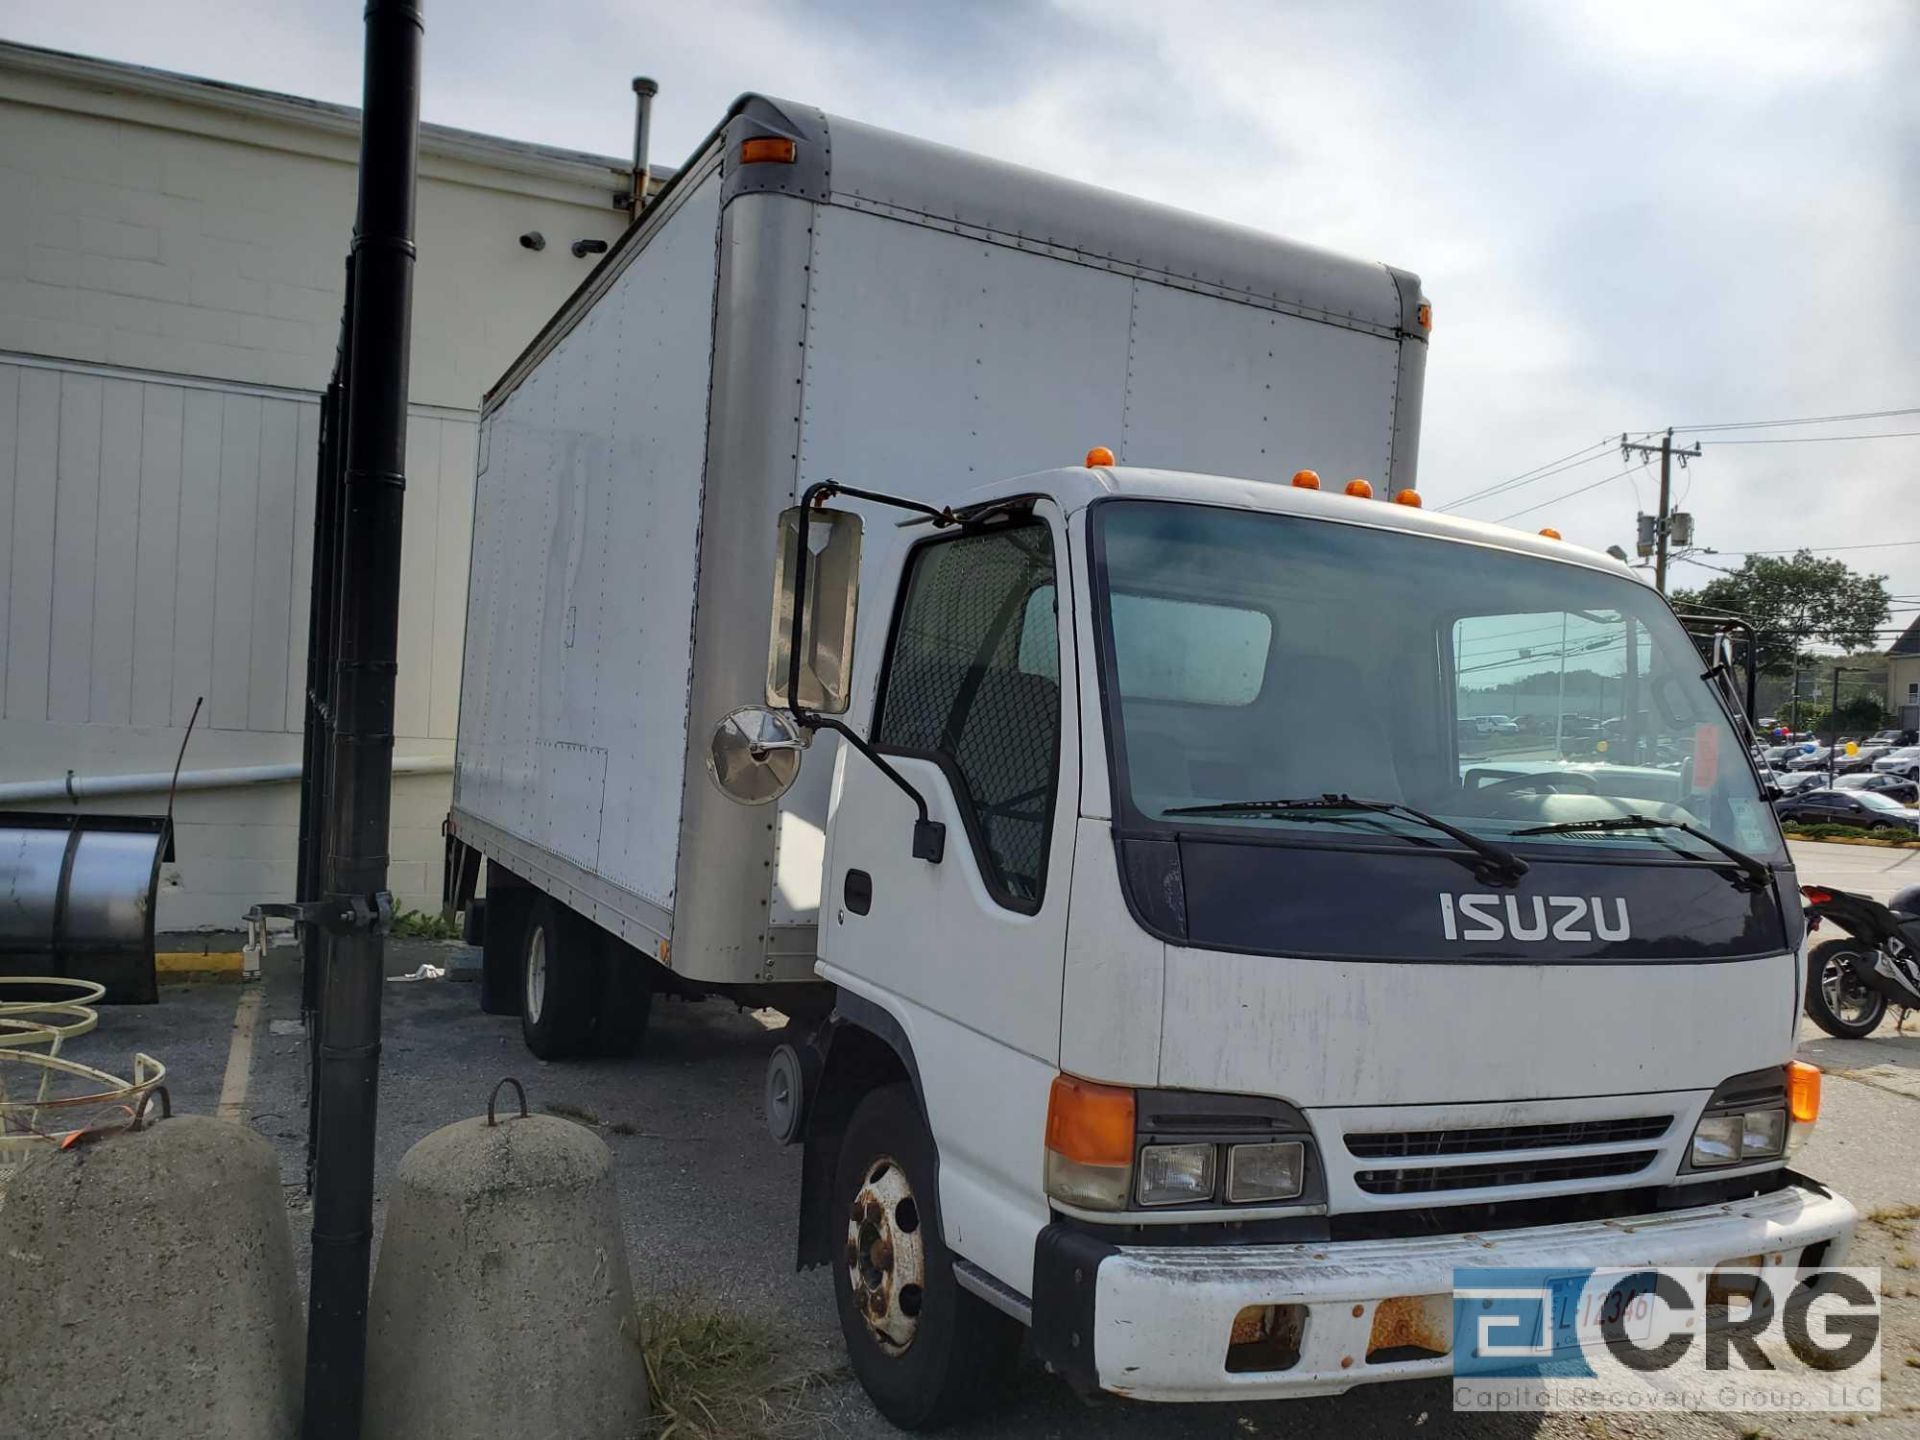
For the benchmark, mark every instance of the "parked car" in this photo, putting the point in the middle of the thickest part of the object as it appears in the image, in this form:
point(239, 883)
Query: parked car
point(1777, 756)
point(1885, 737)
point(1880, 782)
point(1500, 724)
point(1904, 762)
point(1860, 759)
point(1798, 782)
point(1812, 759)
point(1865, 808)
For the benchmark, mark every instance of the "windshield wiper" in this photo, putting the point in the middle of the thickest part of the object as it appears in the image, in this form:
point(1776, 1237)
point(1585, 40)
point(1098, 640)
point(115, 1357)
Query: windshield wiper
point(1754, 872)
point(1496, 863)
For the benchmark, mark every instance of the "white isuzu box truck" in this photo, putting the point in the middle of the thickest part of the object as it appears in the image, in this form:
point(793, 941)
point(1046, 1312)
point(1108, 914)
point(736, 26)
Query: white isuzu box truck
point(1175, 973)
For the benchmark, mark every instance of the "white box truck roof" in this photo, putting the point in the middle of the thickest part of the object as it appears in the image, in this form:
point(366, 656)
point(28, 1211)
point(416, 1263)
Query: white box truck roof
point(812, 298)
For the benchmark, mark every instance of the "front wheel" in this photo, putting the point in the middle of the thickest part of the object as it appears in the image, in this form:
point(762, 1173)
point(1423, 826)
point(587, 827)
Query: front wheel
point(1837, 999)
point(926, 1351)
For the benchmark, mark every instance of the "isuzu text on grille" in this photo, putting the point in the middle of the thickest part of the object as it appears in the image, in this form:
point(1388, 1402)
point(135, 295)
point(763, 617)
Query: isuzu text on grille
point(1499, 917)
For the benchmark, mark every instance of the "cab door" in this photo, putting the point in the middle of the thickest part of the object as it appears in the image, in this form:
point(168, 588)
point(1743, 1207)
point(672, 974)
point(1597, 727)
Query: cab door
point(967, 955)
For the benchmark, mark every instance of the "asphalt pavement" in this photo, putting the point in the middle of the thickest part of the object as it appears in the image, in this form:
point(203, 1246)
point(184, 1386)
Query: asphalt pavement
point(708, 1199)
point(1875, 870)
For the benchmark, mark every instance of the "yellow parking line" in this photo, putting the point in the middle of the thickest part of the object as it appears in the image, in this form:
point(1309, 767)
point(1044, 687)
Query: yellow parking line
point(196, 962)
point(233, 1086)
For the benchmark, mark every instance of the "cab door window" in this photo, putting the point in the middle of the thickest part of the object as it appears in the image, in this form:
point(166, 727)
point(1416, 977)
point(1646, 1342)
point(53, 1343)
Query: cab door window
point(973, 684)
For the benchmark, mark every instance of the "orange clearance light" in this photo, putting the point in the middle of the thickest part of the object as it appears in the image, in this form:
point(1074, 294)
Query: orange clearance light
point(764, 148)
point(1089, 1123)
point(1306, 479)
point(1803, 1092)
point(1550, 532)
point(1423, 313)
point(1098, 456)
point(1360, 489)
point(1408, 497)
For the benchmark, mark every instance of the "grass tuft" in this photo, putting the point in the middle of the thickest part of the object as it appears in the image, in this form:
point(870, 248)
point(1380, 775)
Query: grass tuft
point(716, 1373)
point(414, 925)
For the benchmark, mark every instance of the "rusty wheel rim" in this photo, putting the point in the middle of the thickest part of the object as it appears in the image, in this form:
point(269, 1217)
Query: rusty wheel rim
point(886, 1255)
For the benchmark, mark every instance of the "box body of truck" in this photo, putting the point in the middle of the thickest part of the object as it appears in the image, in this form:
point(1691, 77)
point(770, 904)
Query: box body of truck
point(878, 311)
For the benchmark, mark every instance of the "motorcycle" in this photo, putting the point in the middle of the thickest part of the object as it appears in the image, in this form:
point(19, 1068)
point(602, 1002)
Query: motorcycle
point(1852, 979)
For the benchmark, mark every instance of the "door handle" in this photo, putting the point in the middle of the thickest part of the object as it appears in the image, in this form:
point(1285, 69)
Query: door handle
point(857, 891)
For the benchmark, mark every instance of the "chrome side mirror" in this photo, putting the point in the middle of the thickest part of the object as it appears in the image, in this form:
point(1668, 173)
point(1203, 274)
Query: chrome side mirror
point(754, 755)
point(823, 581)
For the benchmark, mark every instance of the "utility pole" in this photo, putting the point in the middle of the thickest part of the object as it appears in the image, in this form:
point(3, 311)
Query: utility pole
point(1663, 522)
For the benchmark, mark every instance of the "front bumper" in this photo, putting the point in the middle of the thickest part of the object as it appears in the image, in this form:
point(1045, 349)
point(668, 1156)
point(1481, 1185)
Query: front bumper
point(1153, 1323)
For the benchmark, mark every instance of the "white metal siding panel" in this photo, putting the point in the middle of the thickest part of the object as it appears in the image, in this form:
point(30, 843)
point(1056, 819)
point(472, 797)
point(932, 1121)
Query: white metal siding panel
point(9, 452)
point(306, 453)
point(160, 444)
point(452, 523)
point(274, 542)
point(196, 566)
point(116, 555)
point(233, 560)
point(417, 552)
point(75, 525)
point(579, 624)
point(30, 582)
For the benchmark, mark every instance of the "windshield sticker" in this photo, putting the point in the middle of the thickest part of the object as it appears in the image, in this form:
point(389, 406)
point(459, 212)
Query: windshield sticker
point(1749, 823)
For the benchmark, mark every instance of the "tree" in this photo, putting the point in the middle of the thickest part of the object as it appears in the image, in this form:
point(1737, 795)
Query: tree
point(1796, 600)
point(1856, 715)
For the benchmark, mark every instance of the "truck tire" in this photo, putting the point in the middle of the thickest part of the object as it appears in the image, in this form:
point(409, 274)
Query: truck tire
point(559, 982)
point(625, 1000)
point(926, 1352)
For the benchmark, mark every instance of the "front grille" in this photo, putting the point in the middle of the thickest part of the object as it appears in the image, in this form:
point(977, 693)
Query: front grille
point(1395, 1144)
point(1428, 1179)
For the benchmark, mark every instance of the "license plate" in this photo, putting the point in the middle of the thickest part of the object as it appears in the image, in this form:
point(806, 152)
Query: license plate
point(1583, 1304)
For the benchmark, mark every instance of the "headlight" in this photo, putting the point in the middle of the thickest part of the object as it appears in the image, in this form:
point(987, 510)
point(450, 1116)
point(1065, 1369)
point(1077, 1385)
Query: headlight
point(1176, 1174)
point(1265, 1172)
point(1739, 1136)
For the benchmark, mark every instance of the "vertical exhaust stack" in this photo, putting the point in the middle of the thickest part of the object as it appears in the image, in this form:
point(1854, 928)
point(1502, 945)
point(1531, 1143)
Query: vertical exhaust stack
point(643, 92)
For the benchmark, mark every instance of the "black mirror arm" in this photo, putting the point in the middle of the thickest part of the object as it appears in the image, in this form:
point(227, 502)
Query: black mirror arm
point(929, 835)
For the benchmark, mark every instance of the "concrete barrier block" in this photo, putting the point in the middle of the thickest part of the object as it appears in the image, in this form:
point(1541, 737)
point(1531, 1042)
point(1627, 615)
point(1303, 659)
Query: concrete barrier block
point(502, 1304)
point(147, 1288)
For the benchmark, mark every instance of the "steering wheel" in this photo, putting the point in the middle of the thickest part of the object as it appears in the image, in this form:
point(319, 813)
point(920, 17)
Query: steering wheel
point(1551, 784)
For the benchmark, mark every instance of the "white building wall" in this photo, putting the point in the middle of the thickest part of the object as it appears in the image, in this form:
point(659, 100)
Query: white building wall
point(171, 263)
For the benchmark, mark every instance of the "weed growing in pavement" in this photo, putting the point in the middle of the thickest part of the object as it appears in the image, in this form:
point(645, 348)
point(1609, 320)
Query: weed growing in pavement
point(415, 925)
point(715, 1373)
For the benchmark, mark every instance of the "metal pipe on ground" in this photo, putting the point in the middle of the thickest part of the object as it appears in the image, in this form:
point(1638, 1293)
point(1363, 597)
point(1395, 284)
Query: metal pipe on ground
point(358, 804)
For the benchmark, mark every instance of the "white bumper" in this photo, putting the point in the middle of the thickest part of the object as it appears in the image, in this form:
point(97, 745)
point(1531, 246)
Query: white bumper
point(1163, 1316)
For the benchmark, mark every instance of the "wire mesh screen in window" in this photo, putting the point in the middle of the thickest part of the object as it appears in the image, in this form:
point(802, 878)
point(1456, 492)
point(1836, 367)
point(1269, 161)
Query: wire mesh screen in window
point(975, 677)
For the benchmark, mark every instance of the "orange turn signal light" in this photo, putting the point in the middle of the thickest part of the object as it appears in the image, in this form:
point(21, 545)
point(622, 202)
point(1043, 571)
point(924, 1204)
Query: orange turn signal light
point(1360, 489)
point(1423, 313)
point(1089, 1123)
point(1099, 456)
point(1408, 497)
point(1803, 1092)
point(1550, 533)
point(1306, 480)
point(761, 149)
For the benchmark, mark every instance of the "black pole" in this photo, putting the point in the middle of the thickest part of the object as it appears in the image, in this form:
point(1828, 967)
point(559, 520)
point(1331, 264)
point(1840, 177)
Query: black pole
point(359, 800)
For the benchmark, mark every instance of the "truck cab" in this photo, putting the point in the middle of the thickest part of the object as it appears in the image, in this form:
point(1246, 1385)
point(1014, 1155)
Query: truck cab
point(1241, 998)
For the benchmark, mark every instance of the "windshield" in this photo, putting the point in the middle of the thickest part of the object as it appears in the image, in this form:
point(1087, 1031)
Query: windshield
point(1255, 657)
point(1874, 800)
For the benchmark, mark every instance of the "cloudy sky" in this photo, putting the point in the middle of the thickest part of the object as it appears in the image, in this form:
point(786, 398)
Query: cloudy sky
point(1628, 213)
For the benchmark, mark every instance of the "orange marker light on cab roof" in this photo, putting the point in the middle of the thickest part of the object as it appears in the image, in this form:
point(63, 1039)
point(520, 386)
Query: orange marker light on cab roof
point(1550, 532)
point(1360, 489)
point(760, 149)
point(1306, 479)
point(1423, 314)
point(1099, 456)
point(1408, 497)
point(1089, 1123)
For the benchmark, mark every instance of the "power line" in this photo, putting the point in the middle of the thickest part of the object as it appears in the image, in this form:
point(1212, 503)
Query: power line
point(1604, 480)
point(1812, 439)
point(1539, 472)
point(1816, 549)
point(1808, 420)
